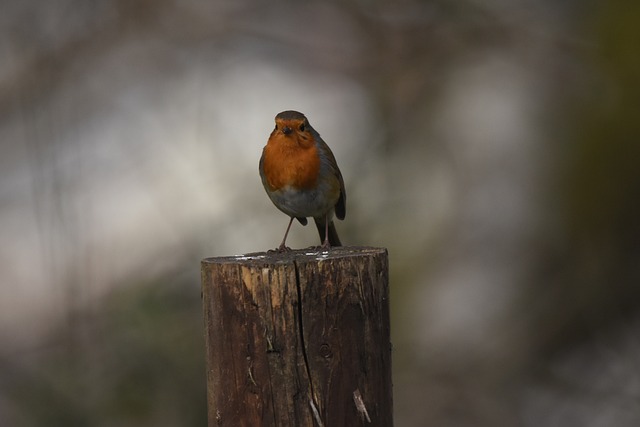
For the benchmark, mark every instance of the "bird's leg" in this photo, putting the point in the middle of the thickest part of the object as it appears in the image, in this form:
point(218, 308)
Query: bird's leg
point(282, 246)
point(326, 244)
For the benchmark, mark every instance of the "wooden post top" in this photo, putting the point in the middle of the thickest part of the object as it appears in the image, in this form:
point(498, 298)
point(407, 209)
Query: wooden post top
point(308, 254)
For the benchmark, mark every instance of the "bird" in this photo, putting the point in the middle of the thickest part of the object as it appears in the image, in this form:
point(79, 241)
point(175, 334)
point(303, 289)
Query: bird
point(301, 177)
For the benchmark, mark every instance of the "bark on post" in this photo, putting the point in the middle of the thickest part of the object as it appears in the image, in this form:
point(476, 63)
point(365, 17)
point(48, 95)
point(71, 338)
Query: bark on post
point(298, 339)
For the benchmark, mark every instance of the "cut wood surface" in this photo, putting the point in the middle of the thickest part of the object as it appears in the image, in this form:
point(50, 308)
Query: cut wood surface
point(300, 338)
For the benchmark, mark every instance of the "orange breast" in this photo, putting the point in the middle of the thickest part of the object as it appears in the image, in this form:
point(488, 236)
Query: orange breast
point(286, 162)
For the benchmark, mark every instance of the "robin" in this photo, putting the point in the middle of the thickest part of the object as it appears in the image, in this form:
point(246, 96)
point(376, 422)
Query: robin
point(302, 178)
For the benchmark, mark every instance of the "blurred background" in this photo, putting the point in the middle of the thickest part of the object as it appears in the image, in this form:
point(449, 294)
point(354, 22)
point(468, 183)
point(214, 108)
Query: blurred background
point(492, 147)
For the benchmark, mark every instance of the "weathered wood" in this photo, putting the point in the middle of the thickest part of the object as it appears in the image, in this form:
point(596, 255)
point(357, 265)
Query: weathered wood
point(298, 339)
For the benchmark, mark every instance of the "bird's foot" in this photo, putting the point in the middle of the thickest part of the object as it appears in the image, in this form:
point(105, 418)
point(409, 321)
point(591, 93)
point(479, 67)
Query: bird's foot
point(323, 247)
point(280, 249)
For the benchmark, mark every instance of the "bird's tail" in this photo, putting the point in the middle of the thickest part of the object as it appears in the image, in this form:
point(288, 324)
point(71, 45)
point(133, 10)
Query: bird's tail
point(334, 240)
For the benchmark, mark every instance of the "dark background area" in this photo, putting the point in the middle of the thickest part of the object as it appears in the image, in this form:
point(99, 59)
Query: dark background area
point(492, 147)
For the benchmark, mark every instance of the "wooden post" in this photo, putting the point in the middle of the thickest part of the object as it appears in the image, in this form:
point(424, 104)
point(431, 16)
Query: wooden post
point(298, 339)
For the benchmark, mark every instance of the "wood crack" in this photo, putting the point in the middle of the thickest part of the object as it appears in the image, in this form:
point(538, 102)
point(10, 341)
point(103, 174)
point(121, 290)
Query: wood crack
point(312, 399)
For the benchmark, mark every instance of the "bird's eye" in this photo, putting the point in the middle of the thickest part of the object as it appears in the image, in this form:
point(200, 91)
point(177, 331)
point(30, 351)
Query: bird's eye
point(302, 127)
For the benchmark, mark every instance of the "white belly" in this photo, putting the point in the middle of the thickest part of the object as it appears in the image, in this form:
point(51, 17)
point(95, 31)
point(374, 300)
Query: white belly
point(302, 203)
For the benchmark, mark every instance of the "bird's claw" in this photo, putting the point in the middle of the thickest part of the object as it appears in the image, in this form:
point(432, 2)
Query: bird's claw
point(280, 249)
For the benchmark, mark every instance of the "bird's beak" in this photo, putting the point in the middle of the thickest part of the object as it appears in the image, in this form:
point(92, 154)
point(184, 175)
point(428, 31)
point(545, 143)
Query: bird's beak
point(286, 130)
